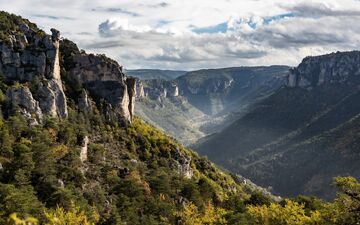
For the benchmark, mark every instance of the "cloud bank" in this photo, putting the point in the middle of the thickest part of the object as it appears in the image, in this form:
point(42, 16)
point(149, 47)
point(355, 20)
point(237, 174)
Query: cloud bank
point(184, 34)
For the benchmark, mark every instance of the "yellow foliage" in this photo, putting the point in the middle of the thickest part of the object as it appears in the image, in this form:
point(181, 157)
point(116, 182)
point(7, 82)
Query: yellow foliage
point(52, 133)
point(209, 216)
point(292, 213)
point(15, 220)
point(59, 150)
point(136, 178)
point(2, 123)
point(58, 217)
point(162, 197)
point(72, 217)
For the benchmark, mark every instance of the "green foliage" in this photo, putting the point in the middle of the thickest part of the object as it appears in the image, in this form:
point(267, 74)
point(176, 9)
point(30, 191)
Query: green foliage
point(128, 177)
point(21, 200)
point(257, 198)
point(10, 23)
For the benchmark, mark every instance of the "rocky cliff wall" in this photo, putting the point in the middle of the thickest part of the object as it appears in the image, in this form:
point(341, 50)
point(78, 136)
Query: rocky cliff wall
point(32, 57)
point(104, 80)
point(336, 68)
point(159, 89)
point(32, 66)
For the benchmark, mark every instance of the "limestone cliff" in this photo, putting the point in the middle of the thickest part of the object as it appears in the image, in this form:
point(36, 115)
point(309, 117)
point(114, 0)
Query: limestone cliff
point(336, 68)
point(21, 97)
point(31, 58)
point(160, 89)
point(140, 93)
point(104, 80)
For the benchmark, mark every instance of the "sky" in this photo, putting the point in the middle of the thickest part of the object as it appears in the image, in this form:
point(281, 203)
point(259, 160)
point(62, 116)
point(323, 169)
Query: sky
point(195, 34)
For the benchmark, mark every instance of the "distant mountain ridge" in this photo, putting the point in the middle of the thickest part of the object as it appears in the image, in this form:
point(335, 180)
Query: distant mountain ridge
point(149, 74)
point(216, 90)
point(201, 102)
point(301, 136)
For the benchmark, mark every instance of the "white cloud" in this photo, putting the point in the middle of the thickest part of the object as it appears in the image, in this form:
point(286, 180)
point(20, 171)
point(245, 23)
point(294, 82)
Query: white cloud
point(162, 34)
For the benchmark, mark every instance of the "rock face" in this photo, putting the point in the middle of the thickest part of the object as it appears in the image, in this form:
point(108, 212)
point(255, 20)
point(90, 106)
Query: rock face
point(104, 79)
point(173, 90)
point(336, 68)
point(84, 149)
point(140, 93)
point(30, 57)
point(131, 91)
point(182, 163)
point(84, 102)
point(161, 89)
point(22, 98)
point(52, 98)
point(211, 86)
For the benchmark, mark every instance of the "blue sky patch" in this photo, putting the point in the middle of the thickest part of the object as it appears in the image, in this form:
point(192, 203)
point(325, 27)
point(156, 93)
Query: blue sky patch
point(219, 28)
point(223, 27)
point(268, 20)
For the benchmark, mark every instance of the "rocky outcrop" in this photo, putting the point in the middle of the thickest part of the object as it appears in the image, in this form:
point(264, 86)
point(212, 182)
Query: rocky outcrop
point(173, 90)
point(212, 85)
point(131, 91)
point(161, 89)
point(182, 163)
point(84, 149)
point(140, 93)
point(104, 79)
point(84, 102)
point(34, 57)
point(52, 99)
point(21, 98)
point(336, 68)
